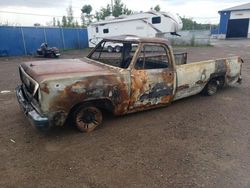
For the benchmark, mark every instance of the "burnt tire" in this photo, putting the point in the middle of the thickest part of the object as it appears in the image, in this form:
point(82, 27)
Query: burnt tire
point(211, 88)
point(87, 118)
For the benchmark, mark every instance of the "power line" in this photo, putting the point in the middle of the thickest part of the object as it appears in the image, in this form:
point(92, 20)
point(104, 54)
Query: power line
point(32, 14)
point(57, 16)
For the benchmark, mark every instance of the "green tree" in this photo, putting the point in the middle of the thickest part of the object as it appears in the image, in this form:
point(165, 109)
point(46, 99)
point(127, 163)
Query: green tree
point(64, 21)
point(97, 15)
point(70, 17)
point(58, 23)
point(86, 12)
point(54, 21)
point(104, 12)
point(127, 11)
point(87, 9)
point(119, 9)
point(157, 8)
point(190, 24)
point(76, 24)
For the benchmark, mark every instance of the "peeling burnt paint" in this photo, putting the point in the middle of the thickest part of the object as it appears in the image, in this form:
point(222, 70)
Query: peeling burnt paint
point(110, 87)
point(182, 87)
point(199, 82)
point(159, 90)
point(220, 66)
point(44, 88)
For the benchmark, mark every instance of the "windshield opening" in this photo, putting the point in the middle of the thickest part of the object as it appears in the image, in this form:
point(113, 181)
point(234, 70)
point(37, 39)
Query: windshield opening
point(118, 54)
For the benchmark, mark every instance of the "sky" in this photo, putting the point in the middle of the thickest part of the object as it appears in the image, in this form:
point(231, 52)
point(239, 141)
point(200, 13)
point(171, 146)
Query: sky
point(202, 11)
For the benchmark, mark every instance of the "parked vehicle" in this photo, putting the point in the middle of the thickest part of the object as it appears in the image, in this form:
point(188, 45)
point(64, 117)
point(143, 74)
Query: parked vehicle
point(46, 51)
point(142, 76)
point(143, 24)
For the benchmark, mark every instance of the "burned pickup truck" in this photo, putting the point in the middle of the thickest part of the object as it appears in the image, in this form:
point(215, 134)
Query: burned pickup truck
point(145, 74)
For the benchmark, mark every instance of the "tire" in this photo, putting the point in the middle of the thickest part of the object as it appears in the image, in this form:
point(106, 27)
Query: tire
point(211, 88)
point(53, 55)
point(221, 82)
point(117, 49)
point(110, 49)
point(87, 118)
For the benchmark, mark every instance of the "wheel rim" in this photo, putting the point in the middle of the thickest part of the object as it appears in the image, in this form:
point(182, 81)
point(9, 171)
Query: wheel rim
point(87, 119)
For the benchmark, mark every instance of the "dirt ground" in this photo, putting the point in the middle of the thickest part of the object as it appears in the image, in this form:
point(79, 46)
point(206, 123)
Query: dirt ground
point(196, 142)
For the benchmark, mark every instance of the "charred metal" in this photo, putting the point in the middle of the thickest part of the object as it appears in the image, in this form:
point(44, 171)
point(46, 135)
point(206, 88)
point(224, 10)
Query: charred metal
point(151, 78)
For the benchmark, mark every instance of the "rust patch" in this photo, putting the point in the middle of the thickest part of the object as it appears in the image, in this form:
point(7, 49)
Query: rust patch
point(186, 86)
point(168, 76)
point(151, 89)
point(200, 82)
point(45, 88)
point(166, 99)
point(111, 87)
point(139, 80)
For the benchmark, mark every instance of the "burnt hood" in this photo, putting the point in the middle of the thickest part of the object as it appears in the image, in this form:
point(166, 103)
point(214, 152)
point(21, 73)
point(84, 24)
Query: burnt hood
point(40, 70)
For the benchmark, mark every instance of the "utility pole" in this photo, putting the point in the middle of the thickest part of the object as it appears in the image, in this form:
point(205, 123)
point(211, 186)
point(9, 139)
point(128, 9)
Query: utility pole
point(112, 7)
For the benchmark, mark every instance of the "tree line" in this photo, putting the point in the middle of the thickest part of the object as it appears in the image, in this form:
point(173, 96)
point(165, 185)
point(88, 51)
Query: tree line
point(118, 9)
point(87, 15)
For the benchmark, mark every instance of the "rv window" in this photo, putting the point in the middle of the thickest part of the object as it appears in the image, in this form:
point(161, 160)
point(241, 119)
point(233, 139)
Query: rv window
point(156, 20)
point(105, 30)
point(152, 57)
point(96, 30)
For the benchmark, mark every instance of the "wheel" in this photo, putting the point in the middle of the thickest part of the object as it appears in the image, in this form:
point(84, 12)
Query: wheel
point(87, 118)
point(211, 88)
point(52, 55)
point(117, 49)
point(110, 49)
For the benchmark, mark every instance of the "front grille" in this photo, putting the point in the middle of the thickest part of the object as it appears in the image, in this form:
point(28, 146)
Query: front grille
point(30, 84)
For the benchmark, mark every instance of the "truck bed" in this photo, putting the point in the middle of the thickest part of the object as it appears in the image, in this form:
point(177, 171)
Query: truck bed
point(192, 77)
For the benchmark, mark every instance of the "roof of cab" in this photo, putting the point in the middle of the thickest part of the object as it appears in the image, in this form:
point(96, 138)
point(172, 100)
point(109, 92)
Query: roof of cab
point(137, 39)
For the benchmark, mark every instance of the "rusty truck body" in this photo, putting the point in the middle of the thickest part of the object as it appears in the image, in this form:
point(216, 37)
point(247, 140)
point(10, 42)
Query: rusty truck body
point(145, 74)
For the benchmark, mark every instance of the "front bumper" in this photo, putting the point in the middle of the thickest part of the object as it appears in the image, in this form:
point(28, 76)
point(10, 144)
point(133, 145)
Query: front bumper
point(36, 119)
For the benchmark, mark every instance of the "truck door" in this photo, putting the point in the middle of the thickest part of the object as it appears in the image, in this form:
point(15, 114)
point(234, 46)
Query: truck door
point(152, 77)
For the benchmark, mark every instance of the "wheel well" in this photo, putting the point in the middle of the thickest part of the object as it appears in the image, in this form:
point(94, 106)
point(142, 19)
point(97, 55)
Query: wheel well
point(102, 104)
point(220, 75)
point(220, 78)
point(214, 77)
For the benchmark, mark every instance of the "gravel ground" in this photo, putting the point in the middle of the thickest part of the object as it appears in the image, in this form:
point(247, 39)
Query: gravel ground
point(196, 142)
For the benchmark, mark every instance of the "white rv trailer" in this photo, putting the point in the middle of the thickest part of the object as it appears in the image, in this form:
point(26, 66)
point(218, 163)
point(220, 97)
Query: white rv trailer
point(144, 24)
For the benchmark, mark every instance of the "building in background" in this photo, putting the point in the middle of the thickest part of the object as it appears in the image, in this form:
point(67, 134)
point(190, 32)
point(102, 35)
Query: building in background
point(234, 22)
